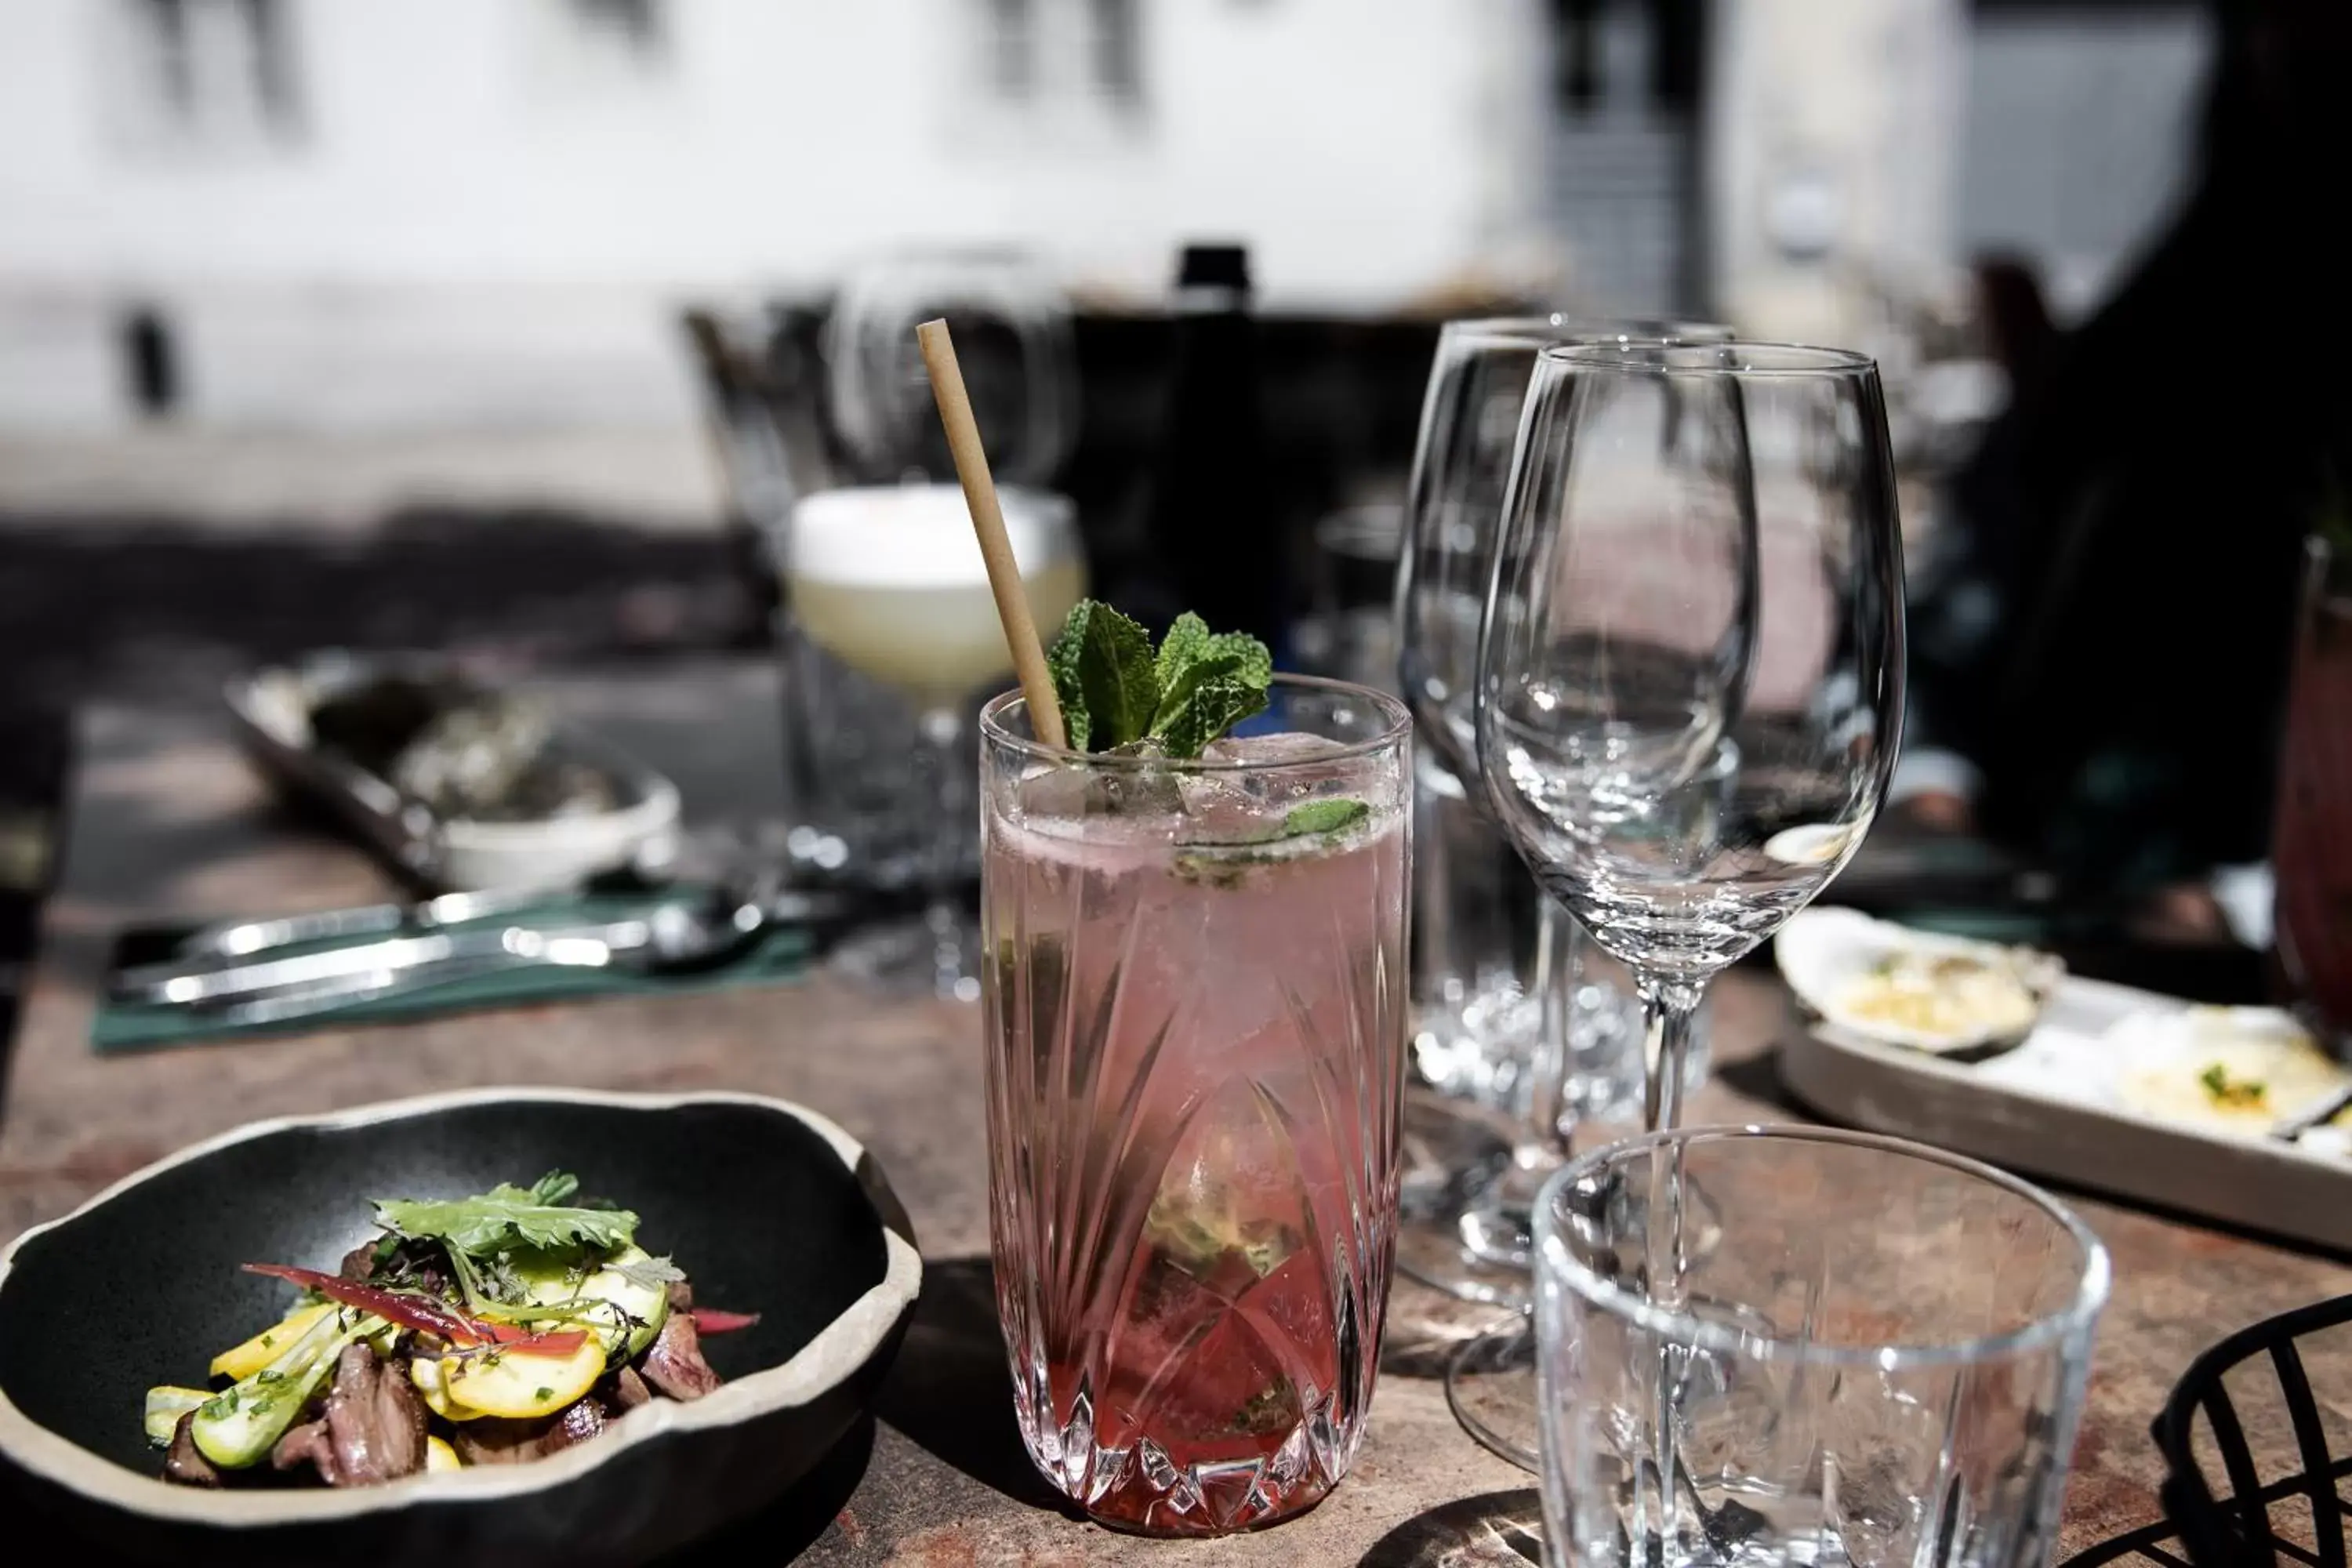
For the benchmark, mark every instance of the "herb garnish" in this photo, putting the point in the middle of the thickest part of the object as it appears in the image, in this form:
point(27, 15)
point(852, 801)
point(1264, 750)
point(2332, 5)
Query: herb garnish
point(1324, 816)
point(1116, 691)
point(508, 1218)
point(2223, 1089)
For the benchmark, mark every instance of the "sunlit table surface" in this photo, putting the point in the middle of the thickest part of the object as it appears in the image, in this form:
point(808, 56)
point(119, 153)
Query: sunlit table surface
point(166, 821)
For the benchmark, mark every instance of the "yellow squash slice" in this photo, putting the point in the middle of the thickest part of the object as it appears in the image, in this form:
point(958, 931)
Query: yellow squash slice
point(268, 1344)
point(425, 1372)
point(517, 1383)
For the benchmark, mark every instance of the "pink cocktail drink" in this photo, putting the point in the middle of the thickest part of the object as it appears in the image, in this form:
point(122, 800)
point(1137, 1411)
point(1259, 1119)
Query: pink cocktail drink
point(1195, 1021)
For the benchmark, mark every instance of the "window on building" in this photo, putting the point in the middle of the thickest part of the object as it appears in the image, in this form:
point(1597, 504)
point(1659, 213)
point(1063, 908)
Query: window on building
point(1118, 51)
point(632, 30)
point(208, 73)
point(1012, 68)
point(1053, 53)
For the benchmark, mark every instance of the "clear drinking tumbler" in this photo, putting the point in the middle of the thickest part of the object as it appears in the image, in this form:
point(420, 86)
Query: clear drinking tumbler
point(1849, 1349)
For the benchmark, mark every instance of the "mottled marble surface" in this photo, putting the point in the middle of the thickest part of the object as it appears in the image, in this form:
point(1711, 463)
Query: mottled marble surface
point(166, 821)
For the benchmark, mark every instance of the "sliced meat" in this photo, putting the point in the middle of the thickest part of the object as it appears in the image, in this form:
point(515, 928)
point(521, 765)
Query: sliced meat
point(674, 1363)
point(375, 1421)
point(576, 1423)
point(629, 1390)
point(359, 1263)
point(184, 1462)
point(494, 1440)
point(681, 1296)
point(306, 1445)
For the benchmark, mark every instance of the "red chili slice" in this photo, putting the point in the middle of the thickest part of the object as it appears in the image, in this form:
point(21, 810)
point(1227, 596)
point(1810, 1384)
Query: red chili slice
point(426, 1314)
point(713, 1321)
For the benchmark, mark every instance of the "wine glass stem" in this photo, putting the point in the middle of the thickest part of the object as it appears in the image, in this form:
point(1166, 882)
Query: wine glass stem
point(1559, 957)
point(1669, 1006)
point(943, 732)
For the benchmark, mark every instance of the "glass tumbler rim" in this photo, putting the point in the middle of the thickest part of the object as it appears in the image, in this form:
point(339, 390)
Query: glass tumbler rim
point(1685, 1328)
point(1553, 331)
point(1397, 728)
point(1759, 360)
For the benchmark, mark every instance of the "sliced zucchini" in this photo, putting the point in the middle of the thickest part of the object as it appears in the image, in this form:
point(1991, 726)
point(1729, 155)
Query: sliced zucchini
point(521, 1384)
point(637, 1312)
point(439, 1458)
point(238, 1426)
point(268, 1344)
point(165, 1405)
point(621, 1312)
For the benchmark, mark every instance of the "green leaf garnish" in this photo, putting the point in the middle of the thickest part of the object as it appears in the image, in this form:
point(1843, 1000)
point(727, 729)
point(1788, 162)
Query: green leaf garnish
point(1324, 816)
point(1102, 670)
point(508, 1217)
point(1116, 691)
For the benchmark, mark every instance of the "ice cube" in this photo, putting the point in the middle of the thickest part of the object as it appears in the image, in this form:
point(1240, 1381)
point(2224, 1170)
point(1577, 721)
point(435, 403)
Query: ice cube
point(1075, 793)
point(1218, 810)
point(1282, 746)
point(1290, 758)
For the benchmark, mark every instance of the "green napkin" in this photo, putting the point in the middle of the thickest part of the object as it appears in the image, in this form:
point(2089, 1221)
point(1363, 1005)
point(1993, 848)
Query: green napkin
point(782, 954)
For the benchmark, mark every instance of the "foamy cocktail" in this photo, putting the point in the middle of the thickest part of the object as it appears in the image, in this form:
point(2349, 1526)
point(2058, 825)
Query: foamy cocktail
point(1195, 1005)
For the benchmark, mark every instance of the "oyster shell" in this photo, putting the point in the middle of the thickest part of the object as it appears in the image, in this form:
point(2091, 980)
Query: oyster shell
point(1943, 994)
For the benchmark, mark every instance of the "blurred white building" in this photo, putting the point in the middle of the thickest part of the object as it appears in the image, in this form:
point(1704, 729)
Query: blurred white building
point(462, 209)
point(366, 214)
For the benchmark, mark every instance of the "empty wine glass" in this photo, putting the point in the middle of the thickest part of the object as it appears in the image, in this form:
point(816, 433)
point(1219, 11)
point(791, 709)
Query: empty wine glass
point(1506, 1018)
point(1690, 682)
point(1012, 329)
point(1691, 667)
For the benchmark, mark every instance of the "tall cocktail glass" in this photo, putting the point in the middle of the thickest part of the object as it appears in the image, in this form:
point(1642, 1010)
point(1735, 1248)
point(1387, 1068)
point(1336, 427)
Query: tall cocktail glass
point(1195, 1005)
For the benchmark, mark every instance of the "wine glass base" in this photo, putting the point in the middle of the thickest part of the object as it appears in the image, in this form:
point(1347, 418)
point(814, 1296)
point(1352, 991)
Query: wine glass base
point(1453, 1153)
point(1490, 1386)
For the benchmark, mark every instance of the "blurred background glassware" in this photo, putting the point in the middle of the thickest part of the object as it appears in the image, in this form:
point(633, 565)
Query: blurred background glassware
point(1012, 328)
point(851, 808)
point(889, 581)
point(1473, 959)
point(2311, 853)
point(828, 424)
point(1876, 1353)
point(1691, 672)
point(1488, 943)
point(1348, 631)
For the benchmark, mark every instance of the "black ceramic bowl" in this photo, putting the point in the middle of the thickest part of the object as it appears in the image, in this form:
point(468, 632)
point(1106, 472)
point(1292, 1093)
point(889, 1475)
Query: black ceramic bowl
point(768, 1207)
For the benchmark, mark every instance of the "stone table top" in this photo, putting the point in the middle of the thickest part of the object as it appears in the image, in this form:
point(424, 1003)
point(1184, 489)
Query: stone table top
point(166, 821)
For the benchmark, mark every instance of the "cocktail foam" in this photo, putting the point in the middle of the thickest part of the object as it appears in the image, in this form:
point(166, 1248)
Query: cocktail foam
point(912, 536)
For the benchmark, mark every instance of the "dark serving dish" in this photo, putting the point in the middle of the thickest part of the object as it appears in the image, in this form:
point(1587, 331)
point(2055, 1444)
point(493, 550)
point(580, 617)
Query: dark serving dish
point(770, 1208)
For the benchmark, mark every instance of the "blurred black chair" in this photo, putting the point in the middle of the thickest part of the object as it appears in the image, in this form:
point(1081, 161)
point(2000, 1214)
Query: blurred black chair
point(2257, 1519)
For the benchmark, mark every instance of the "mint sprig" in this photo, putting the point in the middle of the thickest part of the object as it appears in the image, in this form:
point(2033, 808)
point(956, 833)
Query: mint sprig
point(1116, 691)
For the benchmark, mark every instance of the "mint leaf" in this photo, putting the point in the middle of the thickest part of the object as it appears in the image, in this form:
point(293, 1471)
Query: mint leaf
point(1116, 691)
point(1324, 816)
point(1104, 673)
point(1188, 638)
point(1208, 683)
point(1207, 712)
point(1255, 658)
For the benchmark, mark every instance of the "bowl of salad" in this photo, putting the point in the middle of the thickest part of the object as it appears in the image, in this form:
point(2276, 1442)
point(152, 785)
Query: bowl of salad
point(509, 1326)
